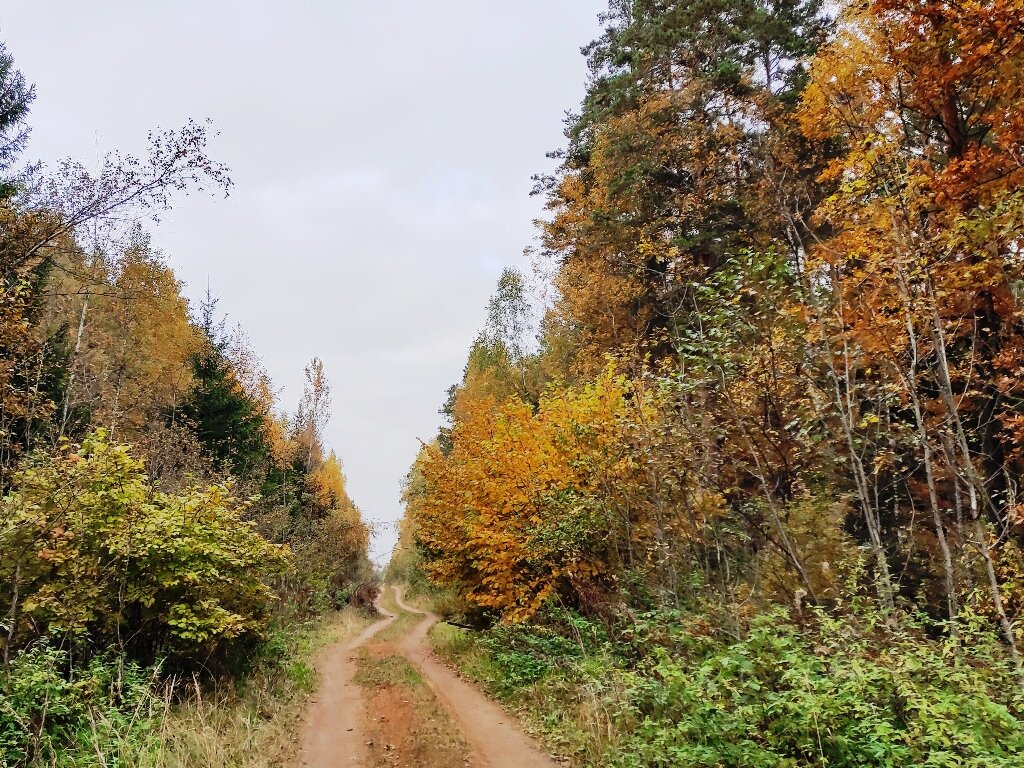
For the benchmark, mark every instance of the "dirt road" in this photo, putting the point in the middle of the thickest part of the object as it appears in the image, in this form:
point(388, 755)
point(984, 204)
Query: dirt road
point(494, 737)
point(333, 737)
point(424, 717)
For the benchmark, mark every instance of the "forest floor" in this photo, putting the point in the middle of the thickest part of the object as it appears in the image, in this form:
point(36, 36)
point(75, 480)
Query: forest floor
point(386, 701)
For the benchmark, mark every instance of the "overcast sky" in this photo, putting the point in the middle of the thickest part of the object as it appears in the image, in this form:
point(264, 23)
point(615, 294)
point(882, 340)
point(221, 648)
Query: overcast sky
point(382, 154)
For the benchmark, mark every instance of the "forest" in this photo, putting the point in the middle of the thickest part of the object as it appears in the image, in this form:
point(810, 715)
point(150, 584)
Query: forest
point(731, 478)
point(734, 478)
point(166, 524)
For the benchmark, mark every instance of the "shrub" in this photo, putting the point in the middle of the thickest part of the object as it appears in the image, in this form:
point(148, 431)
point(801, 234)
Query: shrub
point(839, 692)
point(93, 552)
point(48, 717)
point(842, 695)
point(524, 654)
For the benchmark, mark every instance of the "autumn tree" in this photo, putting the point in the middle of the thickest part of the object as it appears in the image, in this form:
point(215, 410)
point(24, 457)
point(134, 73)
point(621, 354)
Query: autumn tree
point(925, 99)
point(314, 412)
point(671, 163)
point(67, 219)
point(500, 364)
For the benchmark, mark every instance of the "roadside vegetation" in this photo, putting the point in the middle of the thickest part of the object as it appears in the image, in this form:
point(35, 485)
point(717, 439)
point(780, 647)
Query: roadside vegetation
point(664, 692)
point(748, 492)
point(171, 537)
point(255, 722)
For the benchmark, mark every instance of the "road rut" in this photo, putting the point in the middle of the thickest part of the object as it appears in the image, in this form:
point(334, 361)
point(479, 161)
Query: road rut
point(336, 727)
point(496, 739)
point(333, 734)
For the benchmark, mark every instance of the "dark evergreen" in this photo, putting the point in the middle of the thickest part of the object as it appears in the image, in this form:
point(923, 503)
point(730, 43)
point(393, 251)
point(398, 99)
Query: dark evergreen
point(227, 421)
point(16, 97)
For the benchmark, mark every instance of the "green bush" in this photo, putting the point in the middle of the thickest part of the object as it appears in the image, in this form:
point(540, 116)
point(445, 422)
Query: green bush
point(51, 716)
point(524, 654)
point(666, 691)
point(844, 695)
point(94, 553)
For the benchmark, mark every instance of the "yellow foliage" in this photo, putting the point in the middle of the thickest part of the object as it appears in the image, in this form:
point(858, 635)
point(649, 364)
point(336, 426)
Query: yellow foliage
point(131, 335)
point(519, 507)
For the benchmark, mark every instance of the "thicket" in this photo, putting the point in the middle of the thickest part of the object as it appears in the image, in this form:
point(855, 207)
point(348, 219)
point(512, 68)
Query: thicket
point(160, 515)
point(664, 690)
point(779, 377)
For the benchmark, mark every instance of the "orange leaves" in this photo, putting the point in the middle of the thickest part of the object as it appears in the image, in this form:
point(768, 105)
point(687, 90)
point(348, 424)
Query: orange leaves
point(512, 511)
point(938, 82)
point(925, 100)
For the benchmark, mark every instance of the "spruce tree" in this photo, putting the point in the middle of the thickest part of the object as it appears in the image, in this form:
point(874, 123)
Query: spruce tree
point(16, 96)
point(226, 419)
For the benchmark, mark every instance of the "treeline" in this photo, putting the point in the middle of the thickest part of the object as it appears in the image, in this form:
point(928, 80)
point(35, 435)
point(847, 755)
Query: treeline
point(768, 451)
point(160, 514)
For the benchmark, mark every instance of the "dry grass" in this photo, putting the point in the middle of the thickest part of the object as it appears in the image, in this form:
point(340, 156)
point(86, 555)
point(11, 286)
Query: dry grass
point(258, 726)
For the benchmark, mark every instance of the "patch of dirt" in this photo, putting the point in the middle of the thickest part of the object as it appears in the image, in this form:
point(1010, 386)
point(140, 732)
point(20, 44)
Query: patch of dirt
point(405, 726)
point(391, 704)
point(332, 733)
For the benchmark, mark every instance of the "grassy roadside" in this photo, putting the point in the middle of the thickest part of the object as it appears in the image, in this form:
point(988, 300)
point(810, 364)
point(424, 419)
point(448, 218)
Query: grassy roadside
point(830, 693)
point(256, 724)
point(551, 709)
point(114, 713)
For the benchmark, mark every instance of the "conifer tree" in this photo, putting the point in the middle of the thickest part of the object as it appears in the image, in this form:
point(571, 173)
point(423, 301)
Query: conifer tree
point(227, 421)
point(16, 96)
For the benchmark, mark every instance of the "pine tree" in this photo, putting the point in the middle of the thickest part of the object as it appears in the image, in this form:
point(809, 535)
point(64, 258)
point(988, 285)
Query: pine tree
point(671, 164)
point(16, 96)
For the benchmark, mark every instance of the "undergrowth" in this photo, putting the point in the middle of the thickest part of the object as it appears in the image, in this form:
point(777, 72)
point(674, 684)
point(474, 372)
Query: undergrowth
point(110, 712)
point(665, 690)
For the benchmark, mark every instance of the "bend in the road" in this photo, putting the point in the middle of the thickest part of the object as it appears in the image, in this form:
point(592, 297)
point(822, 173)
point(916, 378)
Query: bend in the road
point(496, 740)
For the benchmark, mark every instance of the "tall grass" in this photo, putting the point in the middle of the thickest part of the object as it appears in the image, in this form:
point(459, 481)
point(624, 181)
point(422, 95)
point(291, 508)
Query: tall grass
point(257, 724)
point(115, 715)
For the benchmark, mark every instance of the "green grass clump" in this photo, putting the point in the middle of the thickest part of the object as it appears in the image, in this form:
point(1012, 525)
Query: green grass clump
point(386, 670)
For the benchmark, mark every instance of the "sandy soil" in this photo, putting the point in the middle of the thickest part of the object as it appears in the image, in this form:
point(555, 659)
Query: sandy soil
point(333, 729)
point(421, 716)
